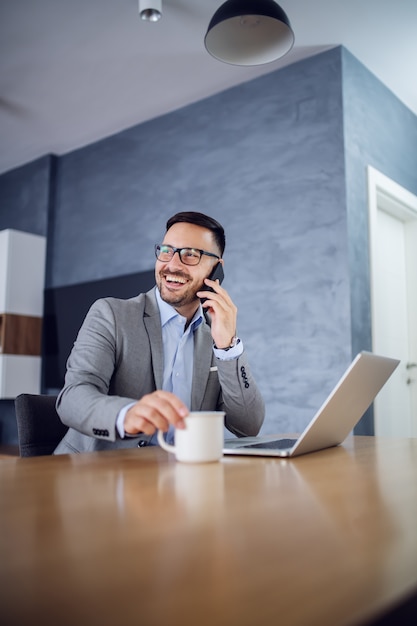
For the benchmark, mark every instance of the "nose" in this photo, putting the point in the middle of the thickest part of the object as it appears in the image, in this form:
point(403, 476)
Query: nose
point(176, 262)
point(179, 256)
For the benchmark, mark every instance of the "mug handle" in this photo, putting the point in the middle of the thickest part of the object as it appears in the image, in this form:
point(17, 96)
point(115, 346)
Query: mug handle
point(166, 446)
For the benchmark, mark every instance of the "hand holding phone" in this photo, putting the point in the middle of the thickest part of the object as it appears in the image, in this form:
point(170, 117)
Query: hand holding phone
point(216, 274)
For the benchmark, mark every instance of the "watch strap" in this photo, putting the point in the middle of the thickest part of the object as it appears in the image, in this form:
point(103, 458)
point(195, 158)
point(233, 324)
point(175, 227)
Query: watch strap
point(235, 340)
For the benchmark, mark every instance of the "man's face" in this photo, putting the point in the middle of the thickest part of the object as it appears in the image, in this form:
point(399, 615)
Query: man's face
point(178, 283)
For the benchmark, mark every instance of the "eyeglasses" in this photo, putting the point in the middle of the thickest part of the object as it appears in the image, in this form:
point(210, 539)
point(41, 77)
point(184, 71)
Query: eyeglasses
point(188, 256)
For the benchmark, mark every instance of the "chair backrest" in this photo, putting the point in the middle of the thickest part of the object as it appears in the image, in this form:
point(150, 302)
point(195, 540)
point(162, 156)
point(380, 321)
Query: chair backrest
point(38, 424)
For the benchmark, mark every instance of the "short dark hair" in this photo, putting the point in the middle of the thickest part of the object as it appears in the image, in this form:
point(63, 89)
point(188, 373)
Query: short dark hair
point(199, 219)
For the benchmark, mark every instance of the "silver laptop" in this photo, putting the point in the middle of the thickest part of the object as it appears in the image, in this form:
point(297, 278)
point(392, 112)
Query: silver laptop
point(341, 411)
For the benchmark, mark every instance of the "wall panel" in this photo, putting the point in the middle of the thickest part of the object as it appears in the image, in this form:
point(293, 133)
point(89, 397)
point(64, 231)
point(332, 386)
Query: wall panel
point(280, 161)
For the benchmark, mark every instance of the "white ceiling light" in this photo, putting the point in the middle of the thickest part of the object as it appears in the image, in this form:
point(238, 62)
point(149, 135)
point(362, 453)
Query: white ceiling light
point(150, 10)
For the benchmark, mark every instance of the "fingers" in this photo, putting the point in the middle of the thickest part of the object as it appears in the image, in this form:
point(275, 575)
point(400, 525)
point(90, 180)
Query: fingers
point(223, 313)
point(155, 411)
point(214, 284)
point(219, 300)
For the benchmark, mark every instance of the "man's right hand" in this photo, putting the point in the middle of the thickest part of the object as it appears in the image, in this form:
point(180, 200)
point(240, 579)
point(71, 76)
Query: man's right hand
point(155, 411)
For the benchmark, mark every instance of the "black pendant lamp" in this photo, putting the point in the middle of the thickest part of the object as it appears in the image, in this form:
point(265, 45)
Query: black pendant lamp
point(249, 32)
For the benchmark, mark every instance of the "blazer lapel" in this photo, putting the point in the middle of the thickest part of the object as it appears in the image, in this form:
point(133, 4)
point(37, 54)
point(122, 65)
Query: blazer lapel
point(152, 321)
point(203, 355)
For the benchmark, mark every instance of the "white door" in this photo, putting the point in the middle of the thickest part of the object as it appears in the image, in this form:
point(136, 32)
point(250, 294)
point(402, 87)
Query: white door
point(393, 254)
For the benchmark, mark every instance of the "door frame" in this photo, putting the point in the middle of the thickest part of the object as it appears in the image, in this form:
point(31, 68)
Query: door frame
point(387, 195)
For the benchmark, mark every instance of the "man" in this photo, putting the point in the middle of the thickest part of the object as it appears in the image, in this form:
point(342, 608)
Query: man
point(142, 364)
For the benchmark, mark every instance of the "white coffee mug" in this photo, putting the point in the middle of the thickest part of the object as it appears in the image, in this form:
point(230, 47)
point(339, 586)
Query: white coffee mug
point(202, 439)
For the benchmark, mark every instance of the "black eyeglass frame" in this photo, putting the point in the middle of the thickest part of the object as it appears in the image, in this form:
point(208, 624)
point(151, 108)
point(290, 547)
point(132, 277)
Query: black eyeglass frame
point(180, 251)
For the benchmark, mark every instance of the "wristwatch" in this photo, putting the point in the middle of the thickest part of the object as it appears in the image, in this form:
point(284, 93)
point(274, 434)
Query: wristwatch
point(233, 343)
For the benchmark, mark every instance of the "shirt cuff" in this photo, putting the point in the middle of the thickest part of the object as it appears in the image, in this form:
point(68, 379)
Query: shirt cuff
point(230, 354)
point(121, 420)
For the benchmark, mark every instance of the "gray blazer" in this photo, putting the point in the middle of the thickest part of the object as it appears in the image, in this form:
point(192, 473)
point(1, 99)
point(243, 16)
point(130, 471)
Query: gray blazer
point(118, 358)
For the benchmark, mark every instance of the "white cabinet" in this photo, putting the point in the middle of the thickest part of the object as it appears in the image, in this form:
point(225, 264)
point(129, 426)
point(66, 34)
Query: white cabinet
point(22, 277)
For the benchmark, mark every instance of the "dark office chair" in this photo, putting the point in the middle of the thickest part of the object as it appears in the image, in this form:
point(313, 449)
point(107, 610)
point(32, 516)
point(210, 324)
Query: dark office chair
point(38, 425)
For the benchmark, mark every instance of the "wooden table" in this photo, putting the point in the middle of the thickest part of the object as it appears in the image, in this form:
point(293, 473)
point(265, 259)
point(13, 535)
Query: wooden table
point(132, 537)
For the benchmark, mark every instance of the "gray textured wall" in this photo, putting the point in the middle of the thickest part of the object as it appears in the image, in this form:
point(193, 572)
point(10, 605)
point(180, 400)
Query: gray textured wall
point(24, 197)
point(280, 161)
point(379, 131)
point(265, 158)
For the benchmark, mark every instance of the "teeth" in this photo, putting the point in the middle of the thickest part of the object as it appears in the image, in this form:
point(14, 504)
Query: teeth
point(176, 279)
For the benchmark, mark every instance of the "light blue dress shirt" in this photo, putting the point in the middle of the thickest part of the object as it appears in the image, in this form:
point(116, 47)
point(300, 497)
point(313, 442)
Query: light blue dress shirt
point(178, 343)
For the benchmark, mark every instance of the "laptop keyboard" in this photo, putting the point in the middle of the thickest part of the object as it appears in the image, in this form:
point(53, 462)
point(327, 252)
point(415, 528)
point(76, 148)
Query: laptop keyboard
point(278, 444)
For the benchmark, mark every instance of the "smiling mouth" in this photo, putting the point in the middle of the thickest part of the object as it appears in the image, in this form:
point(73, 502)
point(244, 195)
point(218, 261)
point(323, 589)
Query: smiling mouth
point(173, 280)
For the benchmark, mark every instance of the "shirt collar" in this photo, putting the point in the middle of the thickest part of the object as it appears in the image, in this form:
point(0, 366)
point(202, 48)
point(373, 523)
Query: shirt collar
point(167, 312)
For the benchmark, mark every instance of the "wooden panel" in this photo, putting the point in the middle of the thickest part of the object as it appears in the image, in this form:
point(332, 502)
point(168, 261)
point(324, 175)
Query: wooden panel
point(20, 334)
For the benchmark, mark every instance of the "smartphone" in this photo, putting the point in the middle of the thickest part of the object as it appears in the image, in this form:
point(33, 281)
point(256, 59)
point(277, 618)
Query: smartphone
point(216, 274)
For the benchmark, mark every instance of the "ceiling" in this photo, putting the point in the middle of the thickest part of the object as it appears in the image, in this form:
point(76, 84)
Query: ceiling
point(75, 71)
